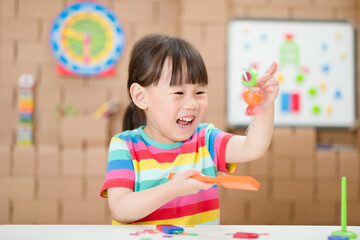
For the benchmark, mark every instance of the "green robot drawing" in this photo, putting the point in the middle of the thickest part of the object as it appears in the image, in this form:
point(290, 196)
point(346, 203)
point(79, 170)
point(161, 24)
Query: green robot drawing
point(290, 53)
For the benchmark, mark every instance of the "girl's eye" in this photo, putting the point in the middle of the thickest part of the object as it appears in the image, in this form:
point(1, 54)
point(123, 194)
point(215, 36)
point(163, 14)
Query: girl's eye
point(179, 93)
point(200, 93)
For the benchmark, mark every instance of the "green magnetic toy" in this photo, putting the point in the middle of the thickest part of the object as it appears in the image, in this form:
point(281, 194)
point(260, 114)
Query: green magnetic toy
point(249, 78)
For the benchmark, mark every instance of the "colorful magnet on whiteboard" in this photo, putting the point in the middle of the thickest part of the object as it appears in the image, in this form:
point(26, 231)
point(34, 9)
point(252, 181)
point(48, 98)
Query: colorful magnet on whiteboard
point(285, 102)
point(342, 56)
point(300, 78)
point(254, 65)
point(322, 86)
point(247, 45)
point(280, 77)
point(316, 109)
point(289, 36)
point(246, 29)
point(338, 35)
point(326, 68)
point(338, 94)
point(295, 102)
point(329, 109)
point(324, 46)
point(263, 37)
point(305, 69)
point(312, 92)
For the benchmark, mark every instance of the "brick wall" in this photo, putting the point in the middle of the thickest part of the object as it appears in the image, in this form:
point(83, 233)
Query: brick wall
point(57, 181)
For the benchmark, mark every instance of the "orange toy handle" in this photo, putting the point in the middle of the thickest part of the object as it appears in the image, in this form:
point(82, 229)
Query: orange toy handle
point(201, 178)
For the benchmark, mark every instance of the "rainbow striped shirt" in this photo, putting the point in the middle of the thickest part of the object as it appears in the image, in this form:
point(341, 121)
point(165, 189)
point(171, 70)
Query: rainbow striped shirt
point(137, 162)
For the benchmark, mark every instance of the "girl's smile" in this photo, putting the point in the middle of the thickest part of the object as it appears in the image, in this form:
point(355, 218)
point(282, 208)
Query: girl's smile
point(185, 121)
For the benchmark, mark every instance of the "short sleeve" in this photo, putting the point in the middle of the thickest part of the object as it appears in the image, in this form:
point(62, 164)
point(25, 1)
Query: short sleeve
point(216, 142)
point(120, 168)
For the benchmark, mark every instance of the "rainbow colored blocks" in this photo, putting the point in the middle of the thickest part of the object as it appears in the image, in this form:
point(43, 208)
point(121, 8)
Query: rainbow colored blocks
point(25, 110)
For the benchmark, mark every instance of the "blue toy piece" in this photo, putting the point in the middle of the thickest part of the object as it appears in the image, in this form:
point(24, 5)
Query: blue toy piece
point(170, 229)
point(338, 238)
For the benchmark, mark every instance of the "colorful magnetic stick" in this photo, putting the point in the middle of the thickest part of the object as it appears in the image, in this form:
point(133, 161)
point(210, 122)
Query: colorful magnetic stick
point(170, 229)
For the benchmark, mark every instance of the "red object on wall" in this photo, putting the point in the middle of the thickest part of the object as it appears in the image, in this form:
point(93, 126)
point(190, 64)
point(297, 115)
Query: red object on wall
point(295, 100)
point(64, 72)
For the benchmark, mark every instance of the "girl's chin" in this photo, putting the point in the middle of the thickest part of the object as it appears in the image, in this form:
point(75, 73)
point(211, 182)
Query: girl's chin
point(185, 132)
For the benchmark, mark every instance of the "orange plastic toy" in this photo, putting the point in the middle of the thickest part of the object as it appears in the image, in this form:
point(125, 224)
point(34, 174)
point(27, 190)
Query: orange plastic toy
point(228, 181)
point(252, 98)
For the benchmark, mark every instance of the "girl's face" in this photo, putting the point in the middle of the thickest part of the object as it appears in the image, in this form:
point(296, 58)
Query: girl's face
point(173, 112)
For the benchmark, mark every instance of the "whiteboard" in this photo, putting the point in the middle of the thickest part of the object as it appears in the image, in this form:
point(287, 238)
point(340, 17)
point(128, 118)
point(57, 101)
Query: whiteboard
point(317, 70)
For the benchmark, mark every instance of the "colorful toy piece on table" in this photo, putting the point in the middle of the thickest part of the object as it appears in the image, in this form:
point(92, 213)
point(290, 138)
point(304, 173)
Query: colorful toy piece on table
point(252, 95)
point(343, 232)
point(228, 181)
point(338, 238)
point(245, 235)
point(105, 109)
point(25, 110)
point(170, 229)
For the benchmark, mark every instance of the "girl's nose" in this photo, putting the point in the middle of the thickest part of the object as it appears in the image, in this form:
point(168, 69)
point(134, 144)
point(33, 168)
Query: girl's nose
point(191, 103)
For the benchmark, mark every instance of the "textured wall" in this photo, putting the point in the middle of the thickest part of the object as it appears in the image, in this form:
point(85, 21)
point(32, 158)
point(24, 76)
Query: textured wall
point(58, 179)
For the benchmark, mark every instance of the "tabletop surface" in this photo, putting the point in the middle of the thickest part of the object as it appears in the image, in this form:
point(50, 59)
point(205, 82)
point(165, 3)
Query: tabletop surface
point(149, 232)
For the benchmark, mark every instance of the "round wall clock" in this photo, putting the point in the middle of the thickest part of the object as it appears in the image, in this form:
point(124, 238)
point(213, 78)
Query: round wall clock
point(87, 39)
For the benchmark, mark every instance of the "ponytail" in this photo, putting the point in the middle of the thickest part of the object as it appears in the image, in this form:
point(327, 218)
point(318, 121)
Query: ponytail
point(134, 117)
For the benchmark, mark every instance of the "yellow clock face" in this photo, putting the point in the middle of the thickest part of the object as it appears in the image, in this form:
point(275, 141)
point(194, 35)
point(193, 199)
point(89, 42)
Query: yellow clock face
point(87, 39)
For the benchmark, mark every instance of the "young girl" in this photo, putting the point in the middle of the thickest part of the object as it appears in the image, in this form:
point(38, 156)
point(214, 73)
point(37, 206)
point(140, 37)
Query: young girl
point(167, 84)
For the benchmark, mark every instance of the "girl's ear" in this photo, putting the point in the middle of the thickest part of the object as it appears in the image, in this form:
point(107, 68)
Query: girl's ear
point(137, 93)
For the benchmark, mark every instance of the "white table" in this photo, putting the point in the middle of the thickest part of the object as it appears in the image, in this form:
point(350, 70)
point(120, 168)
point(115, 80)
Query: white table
point(119, 232)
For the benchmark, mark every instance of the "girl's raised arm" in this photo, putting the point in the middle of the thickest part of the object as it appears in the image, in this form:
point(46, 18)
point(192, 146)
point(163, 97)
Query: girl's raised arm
point(258, 137)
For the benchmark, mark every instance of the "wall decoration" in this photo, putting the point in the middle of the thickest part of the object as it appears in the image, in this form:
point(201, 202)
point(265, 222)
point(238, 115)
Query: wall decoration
point(25, 110)
point(316, 70)
point(107, 108)
point(87, 39)
point(69, 110)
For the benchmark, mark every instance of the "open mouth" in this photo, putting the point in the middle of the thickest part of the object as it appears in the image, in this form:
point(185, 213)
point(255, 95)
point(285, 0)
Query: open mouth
point(185, 121)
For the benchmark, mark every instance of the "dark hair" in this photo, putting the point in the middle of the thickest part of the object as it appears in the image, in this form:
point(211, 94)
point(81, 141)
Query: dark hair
point(146, 63)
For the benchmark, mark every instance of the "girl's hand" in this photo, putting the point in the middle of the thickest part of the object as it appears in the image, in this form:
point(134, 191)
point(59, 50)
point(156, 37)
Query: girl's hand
point(183, 185)
point(269, 84)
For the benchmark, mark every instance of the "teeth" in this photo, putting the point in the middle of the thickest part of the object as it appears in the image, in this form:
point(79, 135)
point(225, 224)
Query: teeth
point(188, 119)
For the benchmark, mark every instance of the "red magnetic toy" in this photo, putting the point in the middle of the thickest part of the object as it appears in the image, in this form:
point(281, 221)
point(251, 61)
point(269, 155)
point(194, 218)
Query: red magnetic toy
point(252, 96)
point(245, 235)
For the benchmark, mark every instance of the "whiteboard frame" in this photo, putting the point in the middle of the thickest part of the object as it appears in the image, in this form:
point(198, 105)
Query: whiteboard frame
point(353, 125)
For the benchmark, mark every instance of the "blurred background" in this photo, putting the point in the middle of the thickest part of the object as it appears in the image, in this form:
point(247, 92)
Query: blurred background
point(57, 179)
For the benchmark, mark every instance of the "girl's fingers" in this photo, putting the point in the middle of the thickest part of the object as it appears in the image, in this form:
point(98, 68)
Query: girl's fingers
point(269, 73)
point(269, 83)
point(272, 69)
point(191, 172)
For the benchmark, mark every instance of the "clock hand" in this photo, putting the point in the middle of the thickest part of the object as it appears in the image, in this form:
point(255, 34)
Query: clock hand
point(70, 33)
point(87, 49)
